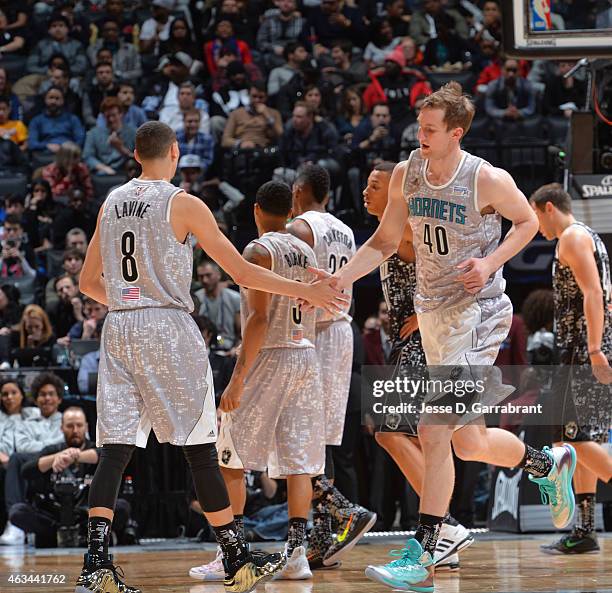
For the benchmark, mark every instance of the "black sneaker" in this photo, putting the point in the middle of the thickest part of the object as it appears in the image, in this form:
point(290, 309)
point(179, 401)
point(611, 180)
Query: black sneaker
point(102, 578)
point(354, 523)
point(575, 542)
point(259, 568)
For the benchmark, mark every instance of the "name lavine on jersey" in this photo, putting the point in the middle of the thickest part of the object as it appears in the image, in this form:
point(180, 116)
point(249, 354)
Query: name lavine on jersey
point(132, 208)
point(335, 236)
point(434, 208)
point(296, 259)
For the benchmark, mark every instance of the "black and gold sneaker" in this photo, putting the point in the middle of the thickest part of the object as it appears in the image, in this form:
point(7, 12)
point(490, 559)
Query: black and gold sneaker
point(259, 568)
point(102, 578)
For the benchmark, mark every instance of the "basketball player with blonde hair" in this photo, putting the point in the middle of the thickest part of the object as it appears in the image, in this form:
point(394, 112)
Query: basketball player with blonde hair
point(453, 202)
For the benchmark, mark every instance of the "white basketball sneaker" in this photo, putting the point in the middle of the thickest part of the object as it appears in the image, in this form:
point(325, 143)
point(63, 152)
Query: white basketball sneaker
point(297, 567)
point(452, 539)
point(449, 564)
point(213, 571)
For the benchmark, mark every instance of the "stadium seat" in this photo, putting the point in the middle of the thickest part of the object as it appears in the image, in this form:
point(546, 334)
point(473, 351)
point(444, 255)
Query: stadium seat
point(14, 184)
point(438, 79)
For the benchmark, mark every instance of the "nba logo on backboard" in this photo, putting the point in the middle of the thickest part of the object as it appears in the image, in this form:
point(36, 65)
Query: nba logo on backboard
point(540, 15)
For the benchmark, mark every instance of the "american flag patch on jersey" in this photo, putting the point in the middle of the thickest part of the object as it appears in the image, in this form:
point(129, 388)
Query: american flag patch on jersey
point(297, 335)
point(130, 294)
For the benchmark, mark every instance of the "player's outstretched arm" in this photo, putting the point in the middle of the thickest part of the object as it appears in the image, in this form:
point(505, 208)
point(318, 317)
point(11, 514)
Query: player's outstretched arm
point(383, 243)
point(91, 281)
point(497, 191)
point(190, 215)
point(253, 333)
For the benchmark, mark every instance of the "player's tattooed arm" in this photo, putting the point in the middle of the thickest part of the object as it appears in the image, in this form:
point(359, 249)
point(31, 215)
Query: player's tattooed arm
point(253, 333)
point(301, 229)
point(497, 192)
point(91, 281)
point(385, 240)
point(576, 251)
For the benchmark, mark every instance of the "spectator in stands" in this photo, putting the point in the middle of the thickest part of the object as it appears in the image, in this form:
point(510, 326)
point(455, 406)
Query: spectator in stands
point(352, 113)
point(220, 304)
point(6, 91)
point(409, 140)
point(132, 115)
point(180, 39)
point(12, 129)
point(447, 50)
point(45, 429)
point(108, 148)
point(294, 54)
point(16, 258)
point(116, 10)
point(399, 87)
point(253, 126)
point(40, 209)
point(192, 141)
point(49, 130)
point(330, 21)
point(75, 456)
point(487, 63)
point(245, 17)
point(59, 76)
point(280, 27)
point(16, 14)
point(57, 41)
point(76, 215)
point(164, 91)
point(68, 172)
point(157, 28)
point(491, 26)
point(174, 109)
point(69, 307)
point(13, 413)
point(76, 238)
point(88, 366)
point(11, 40)
point(305, 140)
point(102, 87)
point(10, 309)
point(382, 42)
point(345, 70)
point(225, 39)
point(125, 57)
point(72, 264)
point(234, 95)
point(90, 327)
point(34, 339)
point(398, 18)
point(12, 159)
point(510, 97)
point(192, 171)
point(376, 340)
point(423, 25)
point(563, 95)
point(313, 97)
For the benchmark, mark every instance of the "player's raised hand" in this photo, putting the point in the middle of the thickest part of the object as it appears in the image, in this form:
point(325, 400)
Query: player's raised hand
point(230, 400)
point(476, 273)
point(410, 326)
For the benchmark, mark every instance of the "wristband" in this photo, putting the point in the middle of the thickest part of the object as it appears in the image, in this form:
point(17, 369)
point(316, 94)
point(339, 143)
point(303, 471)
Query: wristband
point(594, 352)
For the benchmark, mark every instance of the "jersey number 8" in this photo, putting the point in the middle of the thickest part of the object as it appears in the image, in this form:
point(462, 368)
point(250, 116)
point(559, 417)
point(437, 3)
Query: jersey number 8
point(129, 271)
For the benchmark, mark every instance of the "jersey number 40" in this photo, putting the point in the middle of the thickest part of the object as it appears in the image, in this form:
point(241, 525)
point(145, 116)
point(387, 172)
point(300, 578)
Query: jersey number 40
point(440, 239)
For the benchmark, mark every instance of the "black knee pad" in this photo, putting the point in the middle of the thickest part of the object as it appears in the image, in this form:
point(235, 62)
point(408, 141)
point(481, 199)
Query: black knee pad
point(107, 479)
point(207, 479)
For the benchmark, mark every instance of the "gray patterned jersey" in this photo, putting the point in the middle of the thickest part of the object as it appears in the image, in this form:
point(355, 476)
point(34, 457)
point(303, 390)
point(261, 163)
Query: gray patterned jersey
point(570, 321)
point(334, 245)
point(398, 279)
point(144, 265)
point(448, 228)
point(288, 325)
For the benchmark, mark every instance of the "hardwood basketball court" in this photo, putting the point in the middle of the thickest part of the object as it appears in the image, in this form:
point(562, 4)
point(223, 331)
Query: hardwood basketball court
point(494, 563)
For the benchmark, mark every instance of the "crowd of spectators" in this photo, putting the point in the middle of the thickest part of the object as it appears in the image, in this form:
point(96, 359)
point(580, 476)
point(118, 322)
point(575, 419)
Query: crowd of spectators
point(253, 89)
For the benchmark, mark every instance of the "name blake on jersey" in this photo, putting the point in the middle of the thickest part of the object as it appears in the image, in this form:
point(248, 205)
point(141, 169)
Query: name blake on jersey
point(132, 208)
point(335, 236)
point(434, 208)
point(295, 258)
